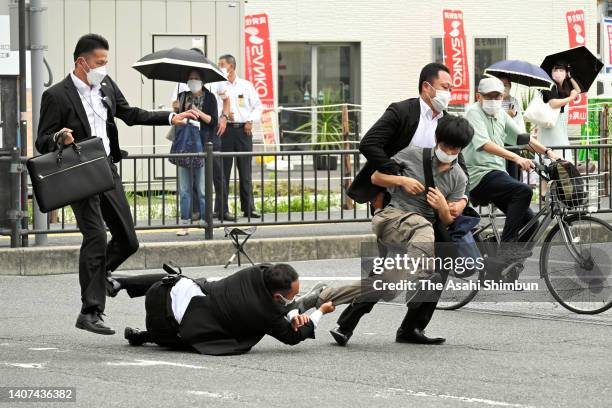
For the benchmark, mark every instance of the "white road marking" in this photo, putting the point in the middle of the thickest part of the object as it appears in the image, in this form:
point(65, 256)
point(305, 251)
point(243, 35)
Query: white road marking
point(224, 395)
point(149, 363)
point(395, 391)
point(25, 365)
point(42, 348)
point(308, 278)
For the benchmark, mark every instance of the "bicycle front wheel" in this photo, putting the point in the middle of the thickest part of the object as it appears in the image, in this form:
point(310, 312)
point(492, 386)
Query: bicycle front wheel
point(456, 299)
point(578, 272)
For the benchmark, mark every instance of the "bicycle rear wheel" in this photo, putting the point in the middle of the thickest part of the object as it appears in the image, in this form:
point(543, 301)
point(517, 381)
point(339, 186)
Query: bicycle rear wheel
point(580, 281)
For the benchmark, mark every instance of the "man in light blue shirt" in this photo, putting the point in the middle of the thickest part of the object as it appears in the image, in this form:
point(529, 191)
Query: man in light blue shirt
point(485, 159)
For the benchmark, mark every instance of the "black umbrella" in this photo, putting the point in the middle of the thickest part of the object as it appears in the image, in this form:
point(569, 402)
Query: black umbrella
point(583, 65)
point(176, 64)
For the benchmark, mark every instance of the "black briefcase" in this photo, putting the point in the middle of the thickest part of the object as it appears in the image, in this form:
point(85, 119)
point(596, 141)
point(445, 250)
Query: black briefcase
point(70, 174)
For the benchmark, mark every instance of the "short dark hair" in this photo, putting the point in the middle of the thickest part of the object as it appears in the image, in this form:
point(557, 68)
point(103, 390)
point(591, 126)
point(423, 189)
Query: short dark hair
point(88, 43)
point(454, 131)
point(229, 59)
point(430, 72)
point(279, 277)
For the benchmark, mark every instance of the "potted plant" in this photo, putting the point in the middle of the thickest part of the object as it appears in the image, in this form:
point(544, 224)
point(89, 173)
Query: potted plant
point(328, 130)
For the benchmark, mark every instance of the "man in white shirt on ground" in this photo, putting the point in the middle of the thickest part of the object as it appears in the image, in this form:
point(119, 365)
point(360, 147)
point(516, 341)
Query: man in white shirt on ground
point(227, 316)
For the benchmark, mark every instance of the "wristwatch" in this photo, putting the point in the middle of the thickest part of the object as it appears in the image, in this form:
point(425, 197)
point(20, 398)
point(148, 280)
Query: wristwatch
point(225, 115)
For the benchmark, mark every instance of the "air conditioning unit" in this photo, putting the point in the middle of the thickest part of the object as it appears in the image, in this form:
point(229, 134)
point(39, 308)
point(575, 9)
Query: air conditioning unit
point(604, 85)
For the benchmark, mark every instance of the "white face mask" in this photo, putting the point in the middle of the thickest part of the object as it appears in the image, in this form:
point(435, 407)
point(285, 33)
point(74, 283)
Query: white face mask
point(441, 100)
point(195, 85)
point(491, 106)
point(445, 157)
point(224, 71)
point(96, 75)
point(284, 300)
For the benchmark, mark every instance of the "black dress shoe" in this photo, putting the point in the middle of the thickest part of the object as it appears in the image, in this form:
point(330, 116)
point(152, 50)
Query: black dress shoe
point(215, 215)
point(341, 337)
point(252, 214)
point(228, 217)
point(93, 322)
point(135, 337)
point(417, 336)
point(112, 287)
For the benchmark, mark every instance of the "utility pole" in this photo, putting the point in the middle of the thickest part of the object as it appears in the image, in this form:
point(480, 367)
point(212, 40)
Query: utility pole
point(37, 49)
point(23, 123)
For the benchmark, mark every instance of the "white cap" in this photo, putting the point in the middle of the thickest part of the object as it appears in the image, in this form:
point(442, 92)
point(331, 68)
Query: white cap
point(490, 84)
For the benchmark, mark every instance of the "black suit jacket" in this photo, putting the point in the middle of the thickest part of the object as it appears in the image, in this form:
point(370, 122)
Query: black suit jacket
point(236, 313)
point(61, 107)
point(390, 134)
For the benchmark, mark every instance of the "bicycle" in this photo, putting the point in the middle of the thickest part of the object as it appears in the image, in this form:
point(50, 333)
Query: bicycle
point(580, 284)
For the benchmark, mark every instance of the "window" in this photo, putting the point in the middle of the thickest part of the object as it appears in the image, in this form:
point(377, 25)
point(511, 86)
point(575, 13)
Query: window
point(487, 51)
point(315, 74)
point(438, 50)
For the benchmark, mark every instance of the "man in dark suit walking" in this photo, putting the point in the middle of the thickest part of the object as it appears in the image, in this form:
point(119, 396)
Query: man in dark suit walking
point(411, 122)
point(83, 105)
point(224, 317)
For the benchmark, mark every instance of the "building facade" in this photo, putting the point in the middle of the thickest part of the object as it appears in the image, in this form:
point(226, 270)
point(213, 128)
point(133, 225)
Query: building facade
point(371, 52)
point(357, 51)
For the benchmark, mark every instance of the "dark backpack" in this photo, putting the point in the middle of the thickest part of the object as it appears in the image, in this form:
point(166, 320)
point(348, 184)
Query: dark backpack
point(568, 187)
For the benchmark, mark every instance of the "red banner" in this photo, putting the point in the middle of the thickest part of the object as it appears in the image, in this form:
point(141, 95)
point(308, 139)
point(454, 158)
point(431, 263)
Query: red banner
point(575, 28)
point(456, 56)
point(608, 26)
point(577, 112)
point(258, 68)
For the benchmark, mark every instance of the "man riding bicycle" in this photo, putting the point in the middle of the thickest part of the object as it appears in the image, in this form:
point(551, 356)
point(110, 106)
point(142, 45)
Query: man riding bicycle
point(485, 160)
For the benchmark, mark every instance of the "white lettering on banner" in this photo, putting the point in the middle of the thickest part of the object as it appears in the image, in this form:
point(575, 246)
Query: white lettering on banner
point(457, 62)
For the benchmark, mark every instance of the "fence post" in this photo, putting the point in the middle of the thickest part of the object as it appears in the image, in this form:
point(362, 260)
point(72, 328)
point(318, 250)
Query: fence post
point(346, 158)
point(14, 213)
point(208, 191)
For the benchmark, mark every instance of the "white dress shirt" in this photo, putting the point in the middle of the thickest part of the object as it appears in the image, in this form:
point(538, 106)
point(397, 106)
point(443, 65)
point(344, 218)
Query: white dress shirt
point(181, 294)
point(315, 316)
point(97, 115)
point(244, 100)
point(425, 135)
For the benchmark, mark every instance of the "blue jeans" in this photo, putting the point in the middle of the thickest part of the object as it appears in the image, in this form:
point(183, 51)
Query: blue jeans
point(185, 175)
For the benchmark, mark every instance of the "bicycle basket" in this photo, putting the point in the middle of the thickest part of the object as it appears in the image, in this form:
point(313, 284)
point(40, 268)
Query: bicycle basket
point(582, 192)
point(567, 184)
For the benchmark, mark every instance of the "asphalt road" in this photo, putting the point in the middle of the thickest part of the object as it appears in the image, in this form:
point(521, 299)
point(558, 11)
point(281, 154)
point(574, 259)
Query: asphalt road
point(496, 355)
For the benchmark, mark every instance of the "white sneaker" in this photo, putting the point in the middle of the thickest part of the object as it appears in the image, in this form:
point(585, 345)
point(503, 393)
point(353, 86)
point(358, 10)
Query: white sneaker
point(182, 232)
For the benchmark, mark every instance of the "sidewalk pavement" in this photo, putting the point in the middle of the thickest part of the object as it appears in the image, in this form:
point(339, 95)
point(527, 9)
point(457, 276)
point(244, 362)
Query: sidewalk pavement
point(269, 244)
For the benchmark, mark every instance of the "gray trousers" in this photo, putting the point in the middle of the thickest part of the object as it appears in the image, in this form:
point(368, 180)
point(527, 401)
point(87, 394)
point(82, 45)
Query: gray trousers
point(411, 234)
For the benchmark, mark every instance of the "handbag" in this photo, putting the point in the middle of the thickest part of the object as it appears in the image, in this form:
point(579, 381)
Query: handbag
point(72, 173)
point(541, 113)
point(187, 140)
point(171, 134)
point(460, 231)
